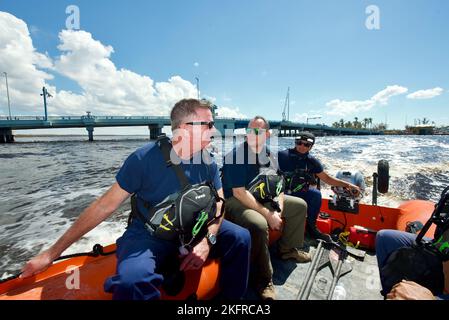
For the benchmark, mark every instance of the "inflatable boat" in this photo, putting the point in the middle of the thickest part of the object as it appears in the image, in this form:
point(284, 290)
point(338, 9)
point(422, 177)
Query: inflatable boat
point(82, 277)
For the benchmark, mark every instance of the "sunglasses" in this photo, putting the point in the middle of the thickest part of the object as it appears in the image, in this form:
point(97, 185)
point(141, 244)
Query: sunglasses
point(209, 124)
point(256, 131)
point(305, 144)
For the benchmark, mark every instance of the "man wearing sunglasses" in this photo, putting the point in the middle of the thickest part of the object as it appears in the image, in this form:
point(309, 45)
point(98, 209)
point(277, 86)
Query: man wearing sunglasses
point(300, 159)
point(141, 256)
point(240, 167)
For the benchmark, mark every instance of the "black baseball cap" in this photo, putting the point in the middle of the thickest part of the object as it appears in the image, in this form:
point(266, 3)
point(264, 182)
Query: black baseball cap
point(306, 136)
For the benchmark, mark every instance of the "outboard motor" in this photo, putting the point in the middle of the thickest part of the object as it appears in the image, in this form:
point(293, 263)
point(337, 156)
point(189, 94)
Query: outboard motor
point(343, 199)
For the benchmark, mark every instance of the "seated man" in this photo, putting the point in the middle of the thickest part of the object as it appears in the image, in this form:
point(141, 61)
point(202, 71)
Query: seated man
point(388, 241)
point(240, 167)
point(300, 159)
point(147, 175)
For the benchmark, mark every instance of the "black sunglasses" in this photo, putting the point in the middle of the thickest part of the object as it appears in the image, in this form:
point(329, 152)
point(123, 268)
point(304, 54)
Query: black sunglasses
point(209, 124)
point(305, 144)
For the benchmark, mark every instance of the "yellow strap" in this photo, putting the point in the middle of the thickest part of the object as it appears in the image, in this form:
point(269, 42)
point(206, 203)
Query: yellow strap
point(343, 238)
point(165, 217)
point(262, 192)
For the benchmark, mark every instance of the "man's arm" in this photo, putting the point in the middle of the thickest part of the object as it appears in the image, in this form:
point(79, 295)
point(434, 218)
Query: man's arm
point(409, 290)
point(337, 182)
point(98, 211)
point(247, 199)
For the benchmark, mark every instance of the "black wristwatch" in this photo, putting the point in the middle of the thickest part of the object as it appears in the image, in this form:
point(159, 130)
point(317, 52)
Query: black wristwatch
point(211, 238)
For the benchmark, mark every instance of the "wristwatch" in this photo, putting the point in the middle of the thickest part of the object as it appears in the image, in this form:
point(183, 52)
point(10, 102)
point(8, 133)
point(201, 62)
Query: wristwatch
point(211, 238)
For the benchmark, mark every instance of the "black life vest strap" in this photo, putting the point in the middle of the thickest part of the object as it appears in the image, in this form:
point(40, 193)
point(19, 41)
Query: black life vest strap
point(165, 145)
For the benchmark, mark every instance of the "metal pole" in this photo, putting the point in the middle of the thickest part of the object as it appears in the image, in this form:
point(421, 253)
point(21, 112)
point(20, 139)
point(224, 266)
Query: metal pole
point(7, 93)
point(198, 87)
point(44, 94)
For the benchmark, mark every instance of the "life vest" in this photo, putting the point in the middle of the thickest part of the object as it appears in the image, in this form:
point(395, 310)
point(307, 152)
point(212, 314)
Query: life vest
point(183, 215)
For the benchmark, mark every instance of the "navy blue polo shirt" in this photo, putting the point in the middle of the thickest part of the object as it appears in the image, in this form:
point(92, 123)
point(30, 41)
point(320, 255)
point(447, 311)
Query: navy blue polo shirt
point(290, 160)
point(145, 173)
point(240, 167)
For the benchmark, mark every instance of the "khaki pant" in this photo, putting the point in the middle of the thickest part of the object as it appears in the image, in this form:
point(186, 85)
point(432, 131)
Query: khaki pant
point(294, 214)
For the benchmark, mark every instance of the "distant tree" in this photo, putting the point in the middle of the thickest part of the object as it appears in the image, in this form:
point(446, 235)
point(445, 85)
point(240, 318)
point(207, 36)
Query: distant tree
point(425, 121)
point(365, 122)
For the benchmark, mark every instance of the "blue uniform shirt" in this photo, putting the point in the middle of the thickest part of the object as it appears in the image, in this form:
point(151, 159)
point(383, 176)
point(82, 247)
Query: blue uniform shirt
point(290, 160)
point(145, 173)
point(240, 167)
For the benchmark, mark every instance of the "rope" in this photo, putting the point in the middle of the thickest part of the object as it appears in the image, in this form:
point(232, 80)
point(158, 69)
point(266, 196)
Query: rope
point(97, 250)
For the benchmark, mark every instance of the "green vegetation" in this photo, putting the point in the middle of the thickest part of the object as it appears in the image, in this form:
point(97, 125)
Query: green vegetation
point(366, 123)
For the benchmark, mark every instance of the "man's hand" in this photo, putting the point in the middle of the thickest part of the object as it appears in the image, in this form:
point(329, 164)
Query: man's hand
point(354, 189)
point(196, 258)
point(274, 220)
point(36, 265)
point(409, 290)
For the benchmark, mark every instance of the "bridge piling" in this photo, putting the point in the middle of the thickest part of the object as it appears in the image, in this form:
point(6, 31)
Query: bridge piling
point(90, 131)
point(6, 136)
point(155, 132)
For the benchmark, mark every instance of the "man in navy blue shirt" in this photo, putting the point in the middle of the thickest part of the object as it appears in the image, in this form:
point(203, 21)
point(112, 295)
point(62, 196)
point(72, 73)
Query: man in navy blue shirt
point(240, 167)
point(139, 254)
point(299, 158)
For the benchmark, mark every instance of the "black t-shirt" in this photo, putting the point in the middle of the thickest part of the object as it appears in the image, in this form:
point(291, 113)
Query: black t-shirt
point(290, 160)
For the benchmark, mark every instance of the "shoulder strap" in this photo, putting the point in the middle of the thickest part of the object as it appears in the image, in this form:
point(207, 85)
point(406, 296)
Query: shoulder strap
point(165, 145)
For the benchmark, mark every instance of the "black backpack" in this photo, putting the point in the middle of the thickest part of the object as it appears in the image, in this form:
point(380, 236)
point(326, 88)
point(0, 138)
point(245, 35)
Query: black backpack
point(266, 188)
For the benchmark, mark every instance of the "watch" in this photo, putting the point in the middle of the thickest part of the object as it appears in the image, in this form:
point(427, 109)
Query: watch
point(211, 238)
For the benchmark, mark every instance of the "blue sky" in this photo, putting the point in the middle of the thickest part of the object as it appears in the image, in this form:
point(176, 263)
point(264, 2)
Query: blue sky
point(246, 54)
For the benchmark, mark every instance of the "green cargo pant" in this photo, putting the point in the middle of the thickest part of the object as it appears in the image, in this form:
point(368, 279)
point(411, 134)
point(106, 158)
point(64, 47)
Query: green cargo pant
point(294, 214)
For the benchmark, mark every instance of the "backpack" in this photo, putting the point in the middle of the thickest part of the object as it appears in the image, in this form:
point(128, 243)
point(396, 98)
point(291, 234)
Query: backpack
point(183, 215)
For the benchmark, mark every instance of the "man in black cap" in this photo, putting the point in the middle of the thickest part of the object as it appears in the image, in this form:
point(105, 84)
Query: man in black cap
point(306, 167)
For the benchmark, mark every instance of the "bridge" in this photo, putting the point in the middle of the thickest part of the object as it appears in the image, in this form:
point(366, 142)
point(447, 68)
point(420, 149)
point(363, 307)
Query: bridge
point(155, 125)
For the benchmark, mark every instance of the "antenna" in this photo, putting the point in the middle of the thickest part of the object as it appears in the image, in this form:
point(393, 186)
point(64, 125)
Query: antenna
point(286, 106)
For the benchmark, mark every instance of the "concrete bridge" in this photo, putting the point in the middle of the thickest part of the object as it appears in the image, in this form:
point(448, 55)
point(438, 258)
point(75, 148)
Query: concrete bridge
point(154, 124)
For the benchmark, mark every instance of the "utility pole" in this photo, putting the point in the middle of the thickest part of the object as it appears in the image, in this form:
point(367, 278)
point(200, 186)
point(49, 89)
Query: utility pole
point(45, 94)
point(7, 93)
point(198, 86)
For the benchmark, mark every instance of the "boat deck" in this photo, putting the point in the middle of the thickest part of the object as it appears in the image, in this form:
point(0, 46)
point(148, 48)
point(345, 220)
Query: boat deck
point(361, 283)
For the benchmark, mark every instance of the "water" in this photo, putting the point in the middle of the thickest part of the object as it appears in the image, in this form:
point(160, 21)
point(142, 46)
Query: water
point(48, 181)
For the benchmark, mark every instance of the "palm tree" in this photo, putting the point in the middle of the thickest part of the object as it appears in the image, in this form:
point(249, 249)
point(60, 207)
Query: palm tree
point(365, 122)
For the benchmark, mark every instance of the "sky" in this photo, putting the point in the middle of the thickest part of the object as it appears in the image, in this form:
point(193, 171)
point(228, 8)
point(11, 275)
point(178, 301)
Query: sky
point(379, 59)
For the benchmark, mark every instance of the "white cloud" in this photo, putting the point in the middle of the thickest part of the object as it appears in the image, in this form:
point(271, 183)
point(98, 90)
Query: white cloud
point(230, 112)
point(383, 96)
point(196, 64)
point(342, 108)
point(23, 65)
point(426, 94)
point(106, 90)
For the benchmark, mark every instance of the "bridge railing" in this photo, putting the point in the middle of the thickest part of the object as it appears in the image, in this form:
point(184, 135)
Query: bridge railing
point(51, 118)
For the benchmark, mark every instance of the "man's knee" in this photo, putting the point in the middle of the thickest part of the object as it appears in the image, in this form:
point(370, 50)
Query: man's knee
point(315, 196)
point(386, 236)
point(295, 206)
point(136, 280)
